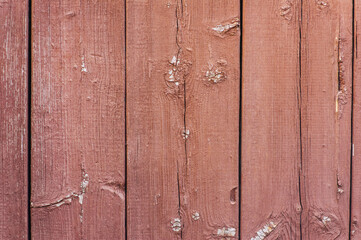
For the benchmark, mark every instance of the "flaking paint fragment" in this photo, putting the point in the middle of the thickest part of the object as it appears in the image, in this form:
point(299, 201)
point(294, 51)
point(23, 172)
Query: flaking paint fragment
point(225, 28)
point(176, 225)
point(226, 232)
point(83, 68)
point(195, 216)
point(264, 231)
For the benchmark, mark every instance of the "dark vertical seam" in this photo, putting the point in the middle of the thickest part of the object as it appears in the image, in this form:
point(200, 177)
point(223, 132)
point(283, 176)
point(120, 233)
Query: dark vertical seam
point(240, 122)
point(300, 116)
point(125, 125)
point(352, 109)
point(180, 8)
point(29, 117)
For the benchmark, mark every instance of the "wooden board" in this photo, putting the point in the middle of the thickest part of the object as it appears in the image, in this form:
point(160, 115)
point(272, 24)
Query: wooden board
point(182, 128)
point(356, 156)
point(210, 44)
point(270, 204)
point(326, 118)
point(78, 122)
point(155, 120)
point(14, 20)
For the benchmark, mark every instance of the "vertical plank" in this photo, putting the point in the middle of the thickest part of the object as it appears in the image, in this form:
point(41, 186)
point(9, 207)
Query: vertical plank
point(78, 122)
point(14, 119)
point(155, 120)
point(356, 157)
point(210, 44)
point(182, 159)
point(270, 203)
point(326, 118)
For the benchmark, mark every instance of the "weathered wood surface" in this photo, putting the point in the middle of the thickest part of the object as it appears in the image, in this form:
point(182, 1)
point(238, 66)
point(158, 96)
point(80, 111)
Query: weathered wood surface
point(182, 119)
point(356, 153)
point(209, 36)
point(326, 86)
point(77, 119)
point(14, 119)
point(155, 120)
point(271, 155)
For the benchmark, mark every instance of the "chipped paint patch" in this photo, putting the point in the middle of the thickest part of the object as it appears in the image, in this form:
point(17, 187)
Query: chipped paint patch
point(265, 231)
point(196, 216)
point(83, 68)
point(227, 28)
point(325, 220)
point(185, 133)
point(226, 232)
point(176, 225)
point(321, 4)
point(175, 76)
point(216, 73)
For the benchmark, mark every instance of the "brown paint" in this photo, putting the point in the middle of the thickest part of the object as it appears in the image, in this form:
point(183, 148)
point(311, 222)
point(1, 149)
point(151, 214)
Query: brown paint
point(77, 117)
point(270, 204)
point(14, 119)
point(326, 87)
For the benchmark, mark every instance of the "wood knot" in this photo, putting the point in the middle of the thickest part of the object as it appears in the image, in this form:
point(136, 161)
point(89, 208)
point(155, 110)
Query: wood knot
point(286, 10)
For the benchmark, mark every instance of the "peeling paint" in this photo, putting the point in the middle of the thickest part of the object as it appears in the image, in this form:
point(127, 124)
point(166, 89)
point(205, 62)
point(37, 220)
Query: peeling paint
point(226, 232)
point(322, 4)
point(83, 68)
point(176, 225)
point(175, 75)
point(265, 231)
point(216, 73)
point(195, 216)
point(228, 28)
point(185, 133)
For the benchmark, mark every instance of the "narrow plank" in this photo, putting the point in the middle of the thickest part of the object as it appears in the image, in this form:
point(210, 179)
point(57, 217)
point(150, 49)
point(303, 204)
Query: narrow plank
point(326, 118)
point(356, 157)
point(270, 147)
point(14, 119)
point(210, 44)
point(78, 122)
point(155, 120)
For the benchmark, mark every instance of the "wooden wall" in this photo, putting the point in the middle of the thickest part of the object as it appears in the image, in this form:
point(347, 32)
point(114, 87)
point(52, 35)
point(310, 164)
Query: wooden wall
point(180, 119)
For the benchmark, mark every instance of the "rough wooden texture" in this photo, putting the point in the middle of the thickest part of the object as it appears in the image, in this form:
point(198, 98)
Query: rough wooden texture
point(326, 118)
point(13, 119)
point(209, 34)
point(182, 125)
point(155, 120)
point(270, 147)
point(78, 121)
point(356, 159)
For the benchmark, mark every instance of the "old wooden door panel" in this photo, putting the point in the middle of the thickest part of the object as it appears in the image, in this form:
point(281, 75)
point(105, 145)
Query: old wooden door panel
point(78, 123)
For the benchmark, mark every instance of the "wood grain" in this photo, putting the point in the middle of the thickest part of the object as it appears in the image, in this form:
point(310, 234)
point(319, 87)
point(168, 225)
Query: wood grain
point(78, 122)
point(326, 118)
point(270, 139)
point(14, 22)
point(210, 42)
point(155, 120)
point(356, 157)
